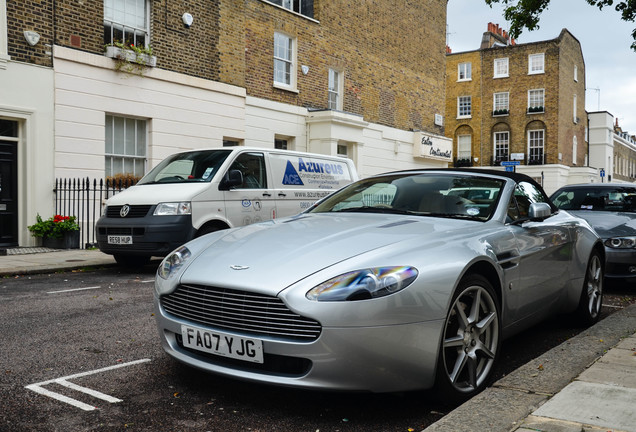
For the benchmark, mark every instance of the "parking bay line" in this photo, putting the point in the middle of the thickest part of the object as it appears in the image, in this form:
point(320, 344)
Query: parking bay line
point(74, 289)
point(63, 381)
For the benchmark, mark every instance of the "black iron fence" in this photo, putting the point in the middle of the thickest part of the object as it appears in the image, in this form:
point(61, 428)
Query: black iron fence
point(85, 199)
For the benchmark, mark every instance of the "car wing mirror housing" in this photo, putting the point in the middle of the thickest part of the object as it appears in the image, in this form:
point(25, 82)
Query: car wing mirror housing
point(539, 211)
point(231, 179)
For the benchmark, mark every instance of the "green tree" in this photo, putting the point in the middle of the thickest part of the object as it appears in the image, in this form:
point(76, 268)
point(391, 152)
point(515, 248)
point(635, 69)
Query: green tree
point(524, 14)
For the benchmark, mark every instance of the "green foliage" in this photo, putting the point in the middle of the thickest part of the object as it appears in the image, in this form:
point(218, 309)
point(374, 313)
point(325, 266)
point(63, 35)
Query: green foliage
point(524, 14)
point(133, 59)
point(53, 227)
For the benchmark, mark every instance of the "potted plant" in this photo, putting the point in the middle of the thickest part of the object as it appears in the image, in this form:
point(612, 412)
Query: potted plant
point(57, 232)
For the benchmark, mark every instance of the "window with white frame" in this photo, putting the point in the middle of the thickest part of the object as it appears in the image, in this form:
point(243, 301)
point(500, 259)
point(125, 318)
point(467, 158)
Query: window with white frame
point(575, 119)
point(464, 106)
point(576, 73)
point(536, 63)
point(303, 7)
point(284, 62)
point(501, 67)
point(502, 145)
point(575, 145)
point(127, 21)
point(335, 90)
point(501, 103)
point(125, 147)
point(464, 72)
point(464, 147)
point(536, 100)
point(535, 146)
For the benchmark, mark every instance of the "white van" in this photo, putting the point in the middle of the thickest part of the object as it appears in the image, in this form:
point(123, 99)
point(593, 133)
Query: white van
point(197, 192)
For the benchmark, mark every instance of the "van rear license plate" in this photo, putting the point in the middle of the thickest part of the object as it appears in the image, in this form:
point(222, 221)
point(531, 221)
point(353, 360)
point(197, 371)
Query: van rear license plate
point(223, 344)
point(125, 240)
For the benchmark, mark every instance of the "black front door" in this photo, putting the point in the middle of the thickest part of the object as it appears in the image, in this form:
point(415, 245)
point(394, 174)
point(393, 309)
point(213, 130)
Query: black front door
point(8, 183)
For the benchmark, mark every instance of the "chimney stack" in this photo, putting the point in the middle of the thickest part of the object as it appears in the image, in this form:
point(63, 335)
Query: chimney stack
point(496, 35)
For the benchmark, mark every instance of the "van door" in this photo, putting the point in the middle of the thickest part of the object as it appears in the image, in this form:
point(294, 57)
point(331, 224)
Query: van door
point(301, 180)
point(253, 201)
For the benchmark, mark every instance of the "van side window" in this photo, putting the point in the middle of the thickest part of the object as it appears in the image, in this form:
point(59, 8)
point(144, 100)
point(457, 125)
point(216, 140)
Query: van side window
point(252, 166)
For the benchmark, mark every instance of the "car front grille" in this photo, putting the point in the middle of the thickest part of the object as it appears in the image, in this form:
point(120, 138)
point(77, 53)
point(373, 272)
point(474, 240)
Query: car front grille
point(252, 313)
point(136, 211)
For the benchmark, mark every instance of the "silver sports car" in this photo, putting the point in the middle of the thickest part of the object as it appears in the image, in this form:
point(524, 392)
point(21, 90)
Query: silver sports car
point(401, 281)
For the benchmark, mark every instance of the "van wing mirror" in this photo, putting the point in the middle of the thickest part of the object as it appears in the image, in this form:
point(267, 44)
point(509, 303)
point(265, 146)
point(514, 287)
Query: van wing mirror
point(231, 179)
point(539, 211)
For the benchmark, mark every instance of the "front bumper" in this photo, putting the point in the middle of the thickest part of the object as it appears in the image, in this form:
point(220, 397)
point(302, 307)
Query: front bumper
point(620, 263)
point(377, 359)
point(151, 235)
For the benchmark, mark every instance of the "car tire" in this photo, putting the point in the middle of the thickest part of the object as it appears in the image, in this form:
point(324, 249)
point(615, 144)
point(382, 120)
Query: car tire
point(131, 261)
point(591, 300)
point(471, 339)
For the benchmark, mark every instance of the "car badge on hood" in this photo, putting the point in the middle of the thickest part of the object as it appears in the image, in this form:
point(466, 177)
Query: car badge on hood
point(239, 267)
point(124, 210)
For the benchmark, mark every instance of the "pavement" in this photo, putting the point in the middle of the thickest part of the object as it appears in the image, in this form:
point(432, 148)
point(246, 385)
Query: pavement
point(588, 383)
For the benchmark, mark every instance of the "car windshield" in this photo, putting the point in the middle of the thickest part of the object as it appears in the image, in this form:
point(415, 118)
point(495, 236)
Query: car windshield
point(426, 194)
point(196, 166)
point(595, 198)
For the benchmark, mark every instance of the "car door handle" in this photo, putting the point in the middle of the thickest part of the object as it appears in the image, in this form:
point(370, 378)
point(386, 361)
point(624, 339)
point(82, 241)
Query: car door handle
point(282, 195)
point(267, 194)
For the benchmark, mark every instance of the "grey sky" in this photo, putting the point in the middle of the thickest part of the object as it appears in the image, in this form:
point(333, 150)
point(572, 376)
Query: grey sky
point(610, 64)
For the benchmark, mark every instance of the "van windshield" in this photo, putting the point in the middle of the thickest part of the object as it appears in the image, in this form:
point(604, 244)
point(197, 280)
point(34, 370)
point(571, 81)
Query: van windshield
point(195, 166)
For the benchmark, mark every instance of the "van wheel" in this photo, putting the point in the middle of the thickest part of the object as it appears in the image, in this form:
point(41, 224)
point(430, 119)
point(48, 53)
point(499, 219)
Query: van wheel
point(131, 261)
point(207, 229)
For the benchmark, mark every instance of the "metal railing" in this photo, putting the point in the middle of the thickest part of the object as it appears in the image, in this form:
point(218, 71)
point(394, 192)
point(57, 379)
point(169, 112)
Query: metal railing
point(85, 199)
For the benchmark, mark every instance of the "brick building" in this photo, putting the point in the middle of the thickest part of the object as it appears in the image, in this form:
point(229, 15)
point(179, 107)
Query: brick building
point(520, 103)
point(363, 80)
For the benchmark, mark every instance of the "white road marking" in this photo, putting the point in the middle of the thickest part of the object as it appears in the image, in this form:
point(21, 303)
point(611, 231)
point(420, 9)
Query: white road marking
point(63, 381)
point(74, 289)
point(148, 281)
point(613, 306)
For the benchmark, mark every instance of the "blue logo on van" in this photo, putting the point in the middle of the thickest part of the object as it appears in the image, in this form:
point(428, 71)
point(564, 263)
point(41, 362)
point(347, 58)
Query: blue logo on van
point(291, 176)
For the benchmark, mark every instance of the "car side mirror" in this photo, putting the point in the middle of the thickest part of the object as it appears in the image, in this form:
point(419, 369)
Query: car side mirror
point(231, 179)
point(539, 211)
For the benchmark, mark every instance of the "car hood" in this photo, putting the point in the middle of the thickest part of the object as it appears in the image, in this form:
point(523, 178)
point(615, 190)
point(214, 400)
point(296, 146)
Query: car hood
point(270, 256)
point(609, 224)
point(149, 194)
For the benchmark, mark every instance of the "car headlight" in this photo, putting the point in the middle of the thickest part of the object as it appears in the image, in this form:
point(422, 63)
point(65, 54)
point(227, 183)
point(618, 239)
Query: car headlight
point(621, 242)
point(173, 262)
point(364, 284)
point(173, 209)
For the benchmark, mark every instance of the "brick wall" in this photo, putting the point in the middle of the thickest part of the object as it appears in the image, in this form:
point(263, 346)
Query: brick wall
point(32, 15)
point(392, 58)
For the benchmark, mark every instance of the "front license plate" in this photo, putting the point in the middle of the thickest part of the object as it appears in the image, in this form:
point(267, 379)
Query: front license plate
point(112, 239)
point(223, 344)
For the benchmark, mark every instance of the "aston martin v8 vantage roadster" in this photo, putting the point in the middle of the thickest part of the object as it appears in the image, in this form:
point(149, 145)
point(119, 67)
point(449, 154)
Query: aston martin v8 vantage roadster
point(401, 281)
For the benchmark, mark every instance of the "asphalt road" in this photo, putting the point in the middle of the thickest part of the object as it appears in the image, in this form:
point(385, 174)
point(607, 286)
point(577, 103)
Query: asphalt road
point(91, 337)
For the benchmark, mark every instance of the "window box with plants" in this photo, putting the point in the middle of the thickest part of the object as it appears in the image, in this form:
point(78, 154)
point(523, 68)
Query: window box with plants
point(57, 232)
point(535, 109)
point(500, 112)
point(130, 58)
